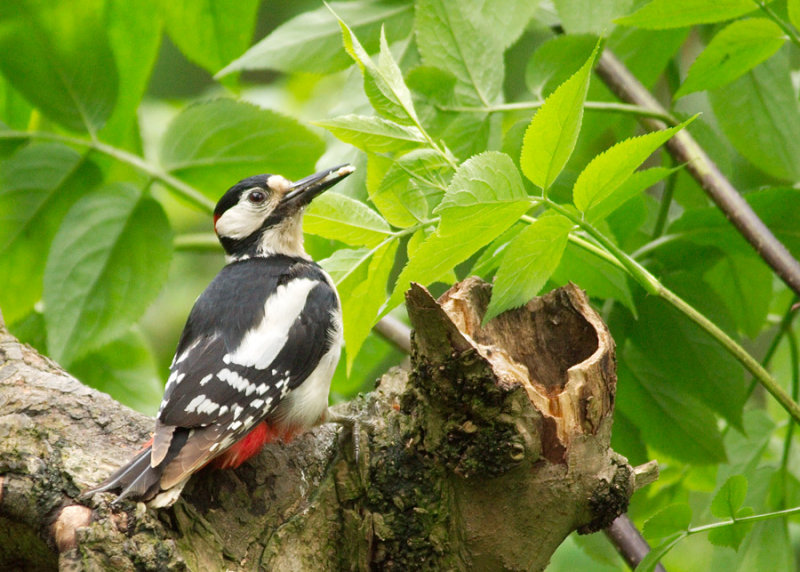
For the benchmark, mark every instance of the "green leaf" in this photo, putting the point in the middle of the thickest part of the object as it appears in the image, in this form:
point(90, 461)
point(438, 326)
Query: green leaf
point(217, 143)
point(759, 114)
point(346, 263)
point(638, 182)
point(746, 446)
point(339, 217)
point(769, 547)
point(361, 305)
point(505, 21)
point(734, 534)
point(793, 7)
point(670, 420)
point(528, 263)
point(646, 53)
point(38, 185)
point(126, 370)
point(609, 170)
point(660, 14)
point(485, 197)
point(597, 276)
point(556, 60)
point(651, 559)
point(134, 30)
point(778, 208)
point(210, 32)
point(488, 178)
point(744, 283)
point(596, 17)
point(412, 247)
point(15, 110)
point(454, 37)
point(373, 134)
point(410, 185)
point(58, 56)
point(106, 264)
point(735, 50)
point(688, 359)
point(669, 520)
point(489, 260)
point(311, 42)
point(730, 497)
point(553, 132)
point(383, 84)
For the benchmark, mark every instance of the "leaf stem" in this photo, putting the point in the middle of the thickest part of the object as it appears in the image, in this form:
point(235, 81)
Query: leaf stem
point(653, 286)
point(607, 106)
point(381, 244)
point(666, 202)
point(743, 519)
point(787, 442)
point(684, 149)
point(795, 39)
point(197, 242)
point(183, 190)
point(584, 244)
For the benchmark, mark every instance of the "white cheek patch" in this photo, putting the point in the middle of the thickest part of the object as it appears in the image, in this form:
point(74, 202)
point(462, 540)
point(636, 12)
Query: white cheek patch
point(239, 221)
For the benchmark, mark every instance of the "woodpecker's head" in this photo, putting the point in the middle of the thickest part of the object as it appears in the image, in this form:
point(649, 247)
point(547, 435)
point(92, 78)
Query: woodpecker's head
point(264, 214)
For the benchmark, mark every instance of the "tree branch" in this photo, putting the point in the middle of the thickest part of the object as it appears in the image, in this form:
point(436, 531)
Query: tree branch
point(622, 533)
point(684, 149)
point(486, 455)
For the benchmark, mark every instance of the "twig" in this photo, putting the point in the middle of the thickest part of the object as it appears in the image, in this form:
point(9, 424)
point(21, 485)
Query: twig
point(684, 149)
point(396, 332)
point(629, 542)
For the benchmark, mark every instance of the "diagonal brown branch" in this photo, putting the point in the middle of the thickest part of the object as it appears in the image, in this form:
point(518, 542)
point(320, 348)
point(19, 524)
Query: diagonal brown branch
point(684, 149)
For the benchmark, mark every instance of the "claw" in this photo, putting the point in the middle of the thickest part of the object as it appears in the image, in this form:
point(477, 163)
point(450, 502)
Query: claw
point(354, 424)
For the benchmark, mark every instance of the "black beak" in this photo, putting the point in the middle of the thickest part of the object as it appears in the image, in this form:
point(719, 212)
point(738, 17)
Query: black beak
point(303, 191)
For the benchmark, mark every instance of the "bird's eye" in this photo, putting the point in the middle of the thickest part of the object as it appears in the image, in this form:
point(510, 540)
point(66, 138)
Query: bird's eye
point(256, 197)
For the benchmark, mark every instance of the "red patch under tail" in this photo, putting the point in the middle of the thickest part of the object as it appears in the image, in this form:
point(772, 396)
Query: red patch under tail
point(248, 446)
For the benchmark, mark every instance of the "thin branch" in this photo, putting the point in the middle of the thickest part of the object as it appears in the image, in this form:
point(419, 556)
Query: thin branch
point(653, 286)
point(197, 242)
point(629, 542)
point(743, 519)
point(607, 106)
point(396, 332)
point(684, 149)
point(183, 190)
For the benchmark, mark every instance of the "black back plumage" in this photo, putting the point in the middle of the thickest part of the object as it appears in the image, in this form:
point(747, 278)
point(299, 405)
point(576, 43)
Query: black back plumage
point(219, 321)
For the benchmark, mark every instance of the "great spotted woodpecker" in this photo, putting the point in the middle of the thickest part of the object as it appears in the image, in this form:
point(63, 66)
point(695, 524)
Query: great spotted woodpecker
point(256, 357)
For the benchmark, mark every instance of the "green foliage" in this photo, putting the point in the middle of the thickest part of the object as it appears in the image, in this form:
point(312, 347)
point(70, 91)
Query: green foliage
point(104, 268)
point(74, 78)
point(660, 14)
point(766, 117)
point(211, 143)
point(553, 132)
point(484, 145)
point(737, 49)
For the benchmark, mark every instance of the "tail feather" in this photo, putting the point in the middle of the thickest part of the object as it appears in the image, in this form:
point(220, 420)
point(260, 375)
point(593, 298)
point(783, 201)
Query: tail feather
point(125, 477)
point(137, 479)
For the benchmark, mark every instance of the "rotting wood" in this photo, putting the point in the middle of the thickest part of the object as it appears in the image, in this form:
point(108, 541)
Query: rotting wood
point(485, 455)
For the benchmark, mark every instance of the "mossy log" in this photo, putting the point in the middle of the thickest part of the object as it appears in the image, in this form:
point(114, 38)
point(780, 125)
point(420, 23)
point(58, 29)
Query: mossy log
point(485, 455)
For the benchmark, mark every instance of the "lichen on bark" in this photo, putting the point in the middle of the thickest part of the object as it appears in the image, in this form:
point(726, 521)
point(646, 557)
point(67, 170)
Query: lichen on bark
point(486, 454)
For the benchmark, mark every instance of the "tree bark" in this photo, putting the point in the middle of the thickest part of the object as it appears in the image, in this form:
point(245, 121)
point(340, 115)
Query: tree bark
point(485, 455)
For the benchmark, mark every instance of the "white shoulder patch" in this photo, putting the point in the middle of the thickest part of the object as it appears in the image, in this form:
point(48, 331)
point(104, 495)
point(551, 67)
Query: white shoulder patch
point(261, 344)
